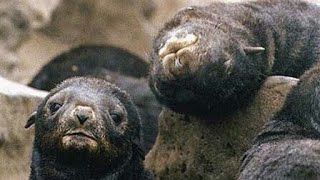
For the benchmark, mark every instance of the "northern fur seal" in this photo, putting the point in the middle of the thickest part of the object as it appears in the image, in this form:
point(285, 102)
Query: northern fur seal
point(289, 146)
point(210, 61)
point(87, 128)
point(114, 64)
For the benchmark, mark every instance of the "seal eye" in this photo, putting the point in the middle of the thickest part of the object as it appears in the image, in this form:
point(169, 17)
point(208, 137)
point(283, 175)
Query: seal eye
point(116, 117)
point(54, 107)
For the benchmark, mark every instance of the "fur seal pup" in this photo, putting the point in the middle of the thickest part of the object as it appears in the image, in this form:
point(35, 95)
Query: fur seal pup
point(210, 61)
point(116, 65)
point(289, 146)
point(87, 128)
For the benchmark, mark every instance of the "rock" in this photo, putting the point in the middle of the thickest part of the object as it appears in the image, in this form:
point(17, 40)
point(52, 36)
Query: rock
point(147, 8)
point(14, 29)
point(8, 61)
point(119, 23)
point(14, 24)
point(39, 11)
point(4, 135)
point(187, 148)
point(17, 20)
point(17, 103)
point(34, 54)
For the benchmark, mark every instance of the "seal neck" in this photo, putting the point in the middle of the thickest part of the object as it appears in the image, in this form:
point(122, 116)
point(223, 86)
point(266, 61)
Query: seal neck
point(48, 167)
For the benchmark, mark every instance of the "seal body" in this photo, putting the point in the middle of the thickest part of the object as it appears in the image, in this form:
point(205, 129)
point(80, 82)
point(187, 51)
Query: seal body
point(116, 65)
point(87, 128)
point(210, 61)
point(288, 147)
point(89, 60)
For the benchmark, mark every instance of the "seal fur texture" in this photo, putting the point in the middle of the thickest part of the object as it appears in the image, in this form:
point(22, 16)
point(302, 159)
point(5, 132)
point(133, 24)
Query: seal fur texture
point(210, 61)
point(87, 128)
point(288, 147)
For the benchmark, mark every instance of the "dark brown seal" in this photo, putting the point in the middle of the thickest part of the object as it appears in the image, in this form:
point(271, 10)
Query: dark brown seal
point(116, 65)
point(289, 146)
point(87, 128)
point(89, 60)
point(210, 61)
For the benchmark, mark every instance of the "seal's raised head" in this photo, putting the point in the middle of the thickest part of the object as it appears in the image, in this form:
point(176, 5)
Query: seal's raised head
point(201, 65)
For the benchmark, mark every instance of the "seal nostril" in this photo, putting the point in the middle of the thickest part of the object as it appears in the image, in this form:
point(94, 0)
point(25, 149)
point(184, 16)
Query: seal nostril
point(83, 113)
point(82, 118)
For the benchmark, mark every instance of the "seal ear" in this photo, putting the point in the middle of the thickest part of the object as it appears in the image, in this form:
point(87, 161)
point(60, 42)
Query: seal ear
point(31, 119)
point(253, 50)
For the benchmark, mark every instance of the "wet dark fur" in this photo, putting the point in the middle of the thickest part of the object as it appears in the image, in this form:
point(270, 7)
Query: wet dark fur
point(89, 60)
point(117, 66)
point(288, 147)
point(117, 156)
point(287, 29)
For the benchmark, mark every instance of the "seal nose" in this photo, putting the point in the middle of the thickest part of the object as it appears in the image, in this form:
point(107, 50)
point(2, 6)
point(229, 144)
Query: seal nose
point(178, 55)
point(82, 118)
point(83, 113)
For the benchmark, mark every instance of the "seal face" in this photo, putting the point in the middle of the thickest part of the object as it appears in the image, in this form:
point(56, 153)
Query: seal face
point(90, 127)
point(83, 117)
point(113, 64)
point(197, 64)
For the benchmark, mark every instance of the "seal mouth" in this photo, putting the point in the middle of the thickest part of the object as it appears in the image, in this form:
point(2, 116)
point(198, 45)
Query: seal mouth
point(81, 133)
